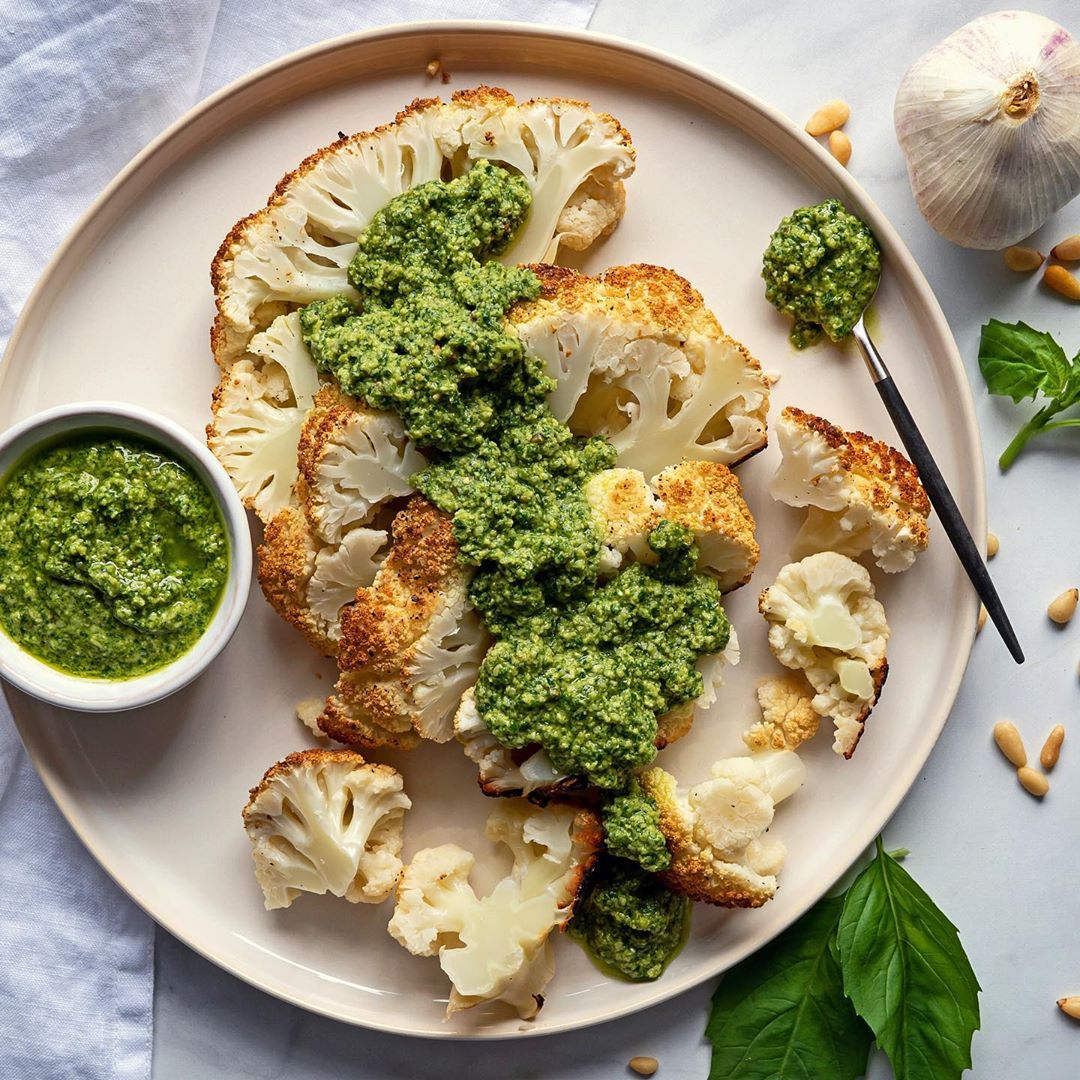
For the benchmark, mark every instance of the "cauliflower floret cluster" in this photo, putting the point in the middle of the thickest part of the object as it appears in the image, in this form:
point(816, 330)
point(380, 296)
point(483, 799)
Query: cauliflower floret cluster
point(787, 719)
point(410, 642)
point(496, 948)
point(639, 358)
point(862, 494)
point(326, 821)
point(825, 620)
point(716, 831)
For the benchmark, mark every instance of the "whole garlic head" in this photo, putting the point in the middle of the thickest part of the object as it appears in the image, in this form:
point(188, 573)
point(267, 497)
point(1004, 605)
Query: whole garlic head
point(989, 121)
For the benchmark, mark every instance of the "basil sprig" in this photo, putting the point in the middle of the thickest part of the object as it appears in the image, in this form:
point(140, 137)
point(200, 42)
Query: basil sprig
point(879, 962)
point(1020, 362)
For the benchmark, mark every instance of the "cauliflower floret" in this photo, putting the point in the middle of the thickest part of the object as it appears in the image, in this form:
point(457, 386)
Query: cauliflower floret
point(787, 719)
point(325, 821)
point(352, 460)
point(298, 247)
point(826, 621)
point(626, 511)
point(309, 584)
point(496, 947)
point(259, 407)
point(707, 498)
point(638, 357)
point(862, 494)
point(716, 832)
point(410, 642)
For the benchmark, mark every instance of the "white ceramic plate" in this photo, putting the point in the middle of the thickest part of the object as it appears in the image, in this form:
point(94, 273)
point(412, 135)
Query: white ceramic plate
point(123, 312)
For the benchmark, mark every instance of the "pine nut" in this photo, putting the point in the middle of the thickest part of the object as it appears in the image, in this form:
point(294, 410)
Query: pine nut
point(644, 1066)
point(1070, 1006)
point(832, 115)
point(982, 619)
point(1062, 608)
point(1061, 281)
point(993, 545)
point(1051, 751)
point(1034, 783)
point(1010, 743)
point(1022, 259)
point(840, 147)
point(1068, 250)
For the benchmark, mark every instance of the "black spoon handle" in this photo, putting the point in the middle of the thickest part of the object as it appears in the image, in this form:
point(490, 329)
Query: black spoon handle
point(938, 491)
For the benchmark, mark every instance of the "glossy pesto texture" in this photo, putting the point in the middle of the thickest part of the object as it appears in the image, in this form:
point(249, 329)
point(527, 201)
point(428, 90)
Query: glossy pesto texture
point(588, 681)
point(821, 267)
point(632, 830)
point(114, 556)
point(630, 924)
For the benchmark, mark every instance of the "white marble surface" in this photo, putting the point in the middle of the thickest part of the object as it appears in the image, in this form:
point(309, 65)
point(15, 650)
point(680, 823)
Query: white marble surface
point(1001, 865)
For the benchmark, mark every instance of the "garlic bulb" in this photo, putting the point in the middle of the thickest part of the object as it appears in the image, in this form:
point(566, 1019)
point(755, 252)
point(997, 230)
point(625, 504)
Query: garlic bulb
point(989, 121)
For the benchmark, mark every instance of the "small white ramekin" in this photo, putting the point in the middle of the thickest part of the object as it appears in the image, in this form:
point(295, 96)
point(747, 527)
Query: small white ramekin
point(33, 676)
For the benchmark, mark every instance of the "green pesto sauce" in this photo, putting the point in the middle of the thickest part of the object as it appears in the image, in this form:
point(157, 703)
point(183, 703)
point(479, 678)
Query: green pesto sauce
point(821, 267)
point(588, 681)
point(630, 923)
point(114, 556)
point(632, 830)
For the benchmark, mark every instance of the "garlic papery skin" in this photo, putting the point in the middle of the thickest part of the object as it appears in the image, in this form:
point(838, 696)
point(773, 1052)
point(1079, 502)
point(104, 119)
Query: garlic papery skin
point(989, 121)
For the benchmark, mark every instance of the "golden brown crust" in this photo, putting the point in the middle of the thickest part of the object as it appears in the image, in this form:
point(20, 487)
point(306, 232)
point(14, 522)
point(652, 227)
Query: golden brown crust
point(872, 459)
point(350, 727)
point(298, 759)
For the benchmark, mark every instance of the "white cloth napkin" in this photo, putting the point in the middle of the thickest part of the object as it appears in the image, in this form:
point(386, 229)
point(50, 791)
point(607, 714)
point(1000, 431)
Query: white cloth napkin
point(83, 86)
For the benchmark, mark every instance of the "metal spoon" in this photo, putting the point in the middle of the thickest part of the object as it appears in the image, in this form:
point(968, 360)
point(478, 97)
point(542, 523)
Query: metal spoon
point(936, 488)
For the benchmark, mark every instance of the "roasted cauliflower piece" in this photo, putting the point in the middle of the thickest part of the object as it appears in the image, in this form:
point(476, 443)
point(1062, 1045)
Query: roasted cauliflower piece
point(297, 248)
point(410, 642)
point(707, 498)
point(259, 408)
point(496, 948)
point(787, 719)
point(825, 620)
point(639, 358)
point(626, 510)
point(353, 460)
point(862, 495)
point(716, 831)
point(326, 821)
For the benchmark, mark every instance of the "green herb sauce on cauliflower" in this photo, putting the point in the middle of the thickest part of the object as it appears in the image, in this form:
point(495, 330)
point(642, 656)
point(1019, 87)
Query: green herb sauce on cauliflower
point(632, 830)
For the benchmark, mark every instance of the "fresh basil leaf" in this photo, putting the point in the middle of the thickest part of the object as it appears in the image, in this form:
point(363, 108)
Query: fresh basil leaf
point(907, 974)
point(1018, 361)
point(781, 1014)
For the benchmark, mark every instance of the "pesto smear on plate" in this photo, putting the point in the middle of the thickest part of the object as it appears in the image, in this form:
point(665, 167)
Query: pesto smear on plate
point(821, 267)
point(115, 556)
point(582, 667)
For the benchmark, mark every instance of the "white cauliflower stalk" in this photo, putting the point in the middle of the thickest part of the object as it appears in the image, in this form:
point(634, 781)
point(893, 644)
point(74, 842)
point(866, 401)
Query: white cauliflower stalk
point(325, 821)
point(258, 411)
point(826, 621)
point(716, 832)
point(862, 495)
point(495, 948)
point(638, 357)
point(298, 248)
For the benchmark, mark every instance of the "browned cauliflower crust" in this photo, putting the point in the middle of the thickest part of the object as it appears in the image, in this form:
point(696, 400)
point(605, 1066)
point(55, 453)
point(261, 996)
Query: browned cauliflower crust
point(788, 718)
point(410, 646)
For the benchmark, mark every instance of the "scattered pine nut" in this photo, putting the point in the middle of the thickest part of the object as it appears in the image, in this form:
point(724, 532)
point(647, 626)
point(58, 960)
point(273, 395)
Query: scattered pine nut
point(1022, 259)
point(1063, 607)
point(1062, 282)
point(832, 115)
point(993, 545)
point(433, 67)
point(840, 147)
point(644, 1066)
point(1068, 250)
point(1051, 750)
point(982, 619)
point(1070, 1006)
point(1034, 783)
point(1010, 743)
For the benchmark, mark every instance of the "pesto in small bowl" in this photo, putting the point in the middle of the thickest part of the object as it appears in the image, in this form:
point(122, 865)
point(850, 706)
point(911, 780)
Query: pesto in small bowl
point(115, 555)
point(822, 268)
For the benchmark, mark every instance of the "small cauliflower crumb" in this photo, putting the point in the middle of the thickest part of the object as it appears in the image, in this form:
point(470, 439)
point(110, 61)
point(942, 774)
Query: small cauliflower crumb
point(788, 718)
point(307, 712)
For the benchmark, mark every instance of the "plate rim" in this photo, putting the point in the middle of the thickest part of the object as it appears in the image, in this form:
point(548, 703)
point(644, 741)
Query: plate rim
point(967, 429)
